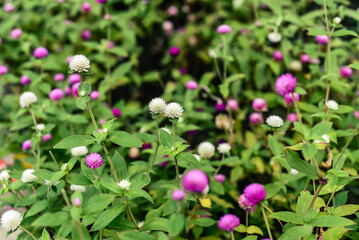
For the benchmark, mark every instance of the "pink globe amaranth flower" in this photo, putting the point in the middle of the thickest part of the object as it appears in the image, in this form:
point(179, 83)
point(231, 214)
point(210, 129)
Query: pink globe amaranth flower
point(191, 85)
point(220, 106)
point(178, 195)
point(277, 55)
point(292, 117)
point(9, 7)
point(174, 51)
point(94, 94)
point(257, 23)
point(195, 181)
point(77, 202)
point(219, 178)
point(245, 204)
point(40, 52)
point(74, 89)
point(346, 72)
point(86, 34)
point(167, 26)
point(59, 77)
point(46, 137)
point(315, 60)
point(146, 146)
point(259, 104)
point(25, 80)
point(255, 118)
point(16, 33)
point(358, 93)
point(94, 160)
point(116, 112)
point(228, 222)
point(107, 16)
point(100, 130)
point(172, 10)
point(56, 94)
point(356, 114)
point(224, 29)
point(3, 70)
point(68, 59)
point(322, 39)
point(288, 98)
point(255, 193)
point(304, 58)
point(232, 104)
point(67, 91)
point(110, 44)
point(183, 71)
point(102, 121)
point(74, 78)
point(60, 1)
point(163, 164)
point(26, 145)
point(285, 84)
point(86, 7)
point(101, 1)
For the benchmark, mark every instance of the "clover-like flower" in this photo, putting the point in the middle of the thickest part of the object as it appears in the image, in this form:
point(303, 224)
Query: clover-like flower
point(79, 63)
point(274, 121)
point(173, 110)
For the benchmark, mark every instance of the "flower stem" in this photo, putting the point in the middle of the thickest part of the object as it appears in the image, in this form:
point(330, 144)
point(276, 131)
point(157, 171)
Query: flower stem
point(219, 167)
point(299, 115)
point(29, 233)
point(224, 58)
point(157, 143)
point(328, 53)
point(315, 197)
point(176, 161)
point(232, 235)
point(65, 197)
point(130, 212)
point(54, 159)
point(38, 145)
point(246, 220)
point(266, 222)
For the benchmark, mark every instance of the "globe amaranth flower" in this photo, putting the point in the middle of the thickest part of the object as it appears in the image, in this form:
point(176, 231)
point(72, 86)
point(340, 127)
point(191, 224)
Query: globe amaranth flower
point(59, 77)
point(74, 78)
point(178, 195)
point(124, 184)
point(40, 127)
point(255, 193)
point(292, 117)
point(157, 106)
point(174, 51)
point(206, 149)
point(191, 85)
point(11, 220)
point(56, 94)
point(220, 106)
point(133, 153)
point(26, 145)
point(86, 34)
point(86, 7)
point(232, 104)
point(28, 176)
point(288, 98)
point(46, 137)
point(172, 10)
point(173, 110)
point(27, 98)
point(356, 114)
point(167, 26)
point(16, 33)
point(224, 29)
point(228, 222)
point(4, 175)
point(195, 181)
point(259, 104)
point(94, 160)
point(274, 121)
point(245, 204)
point(274, 37)
point(77, 202)
point(25, 80)
point(75, 89)
point(79, 63)
point(79, 188)
point(116, 112)
point(219, 178)
point(294, 171)
point(346, 72)
point(40, 52)
point(224, 148)
point(79, 151)
point(101, 1)
point(277, 55)
point(295, 66)
point(285, 84)
point(3, 70)
point(332, 105)
point(94, 94)
point(9, 7)
point(304, 58)
point(108, 17)
point(322, 39)
point(255, 118)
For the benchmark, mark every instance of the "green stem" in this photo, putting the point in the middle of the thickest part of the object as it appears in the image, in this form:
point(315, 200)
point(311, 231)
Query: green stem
point(29, 233)
point(299, 115)
point(130, 212)
point(157, 144)
point(246, 219)
point(328, 53)
point(38, 132)
point(331, 197)
point(267, 224)
point(232, 235)
point(176, 161)
point(315, 197)
point(217, 69)
point(224, 58)
point(219, 167)
point(54, 159)
point(65, 197)
point(346, 146)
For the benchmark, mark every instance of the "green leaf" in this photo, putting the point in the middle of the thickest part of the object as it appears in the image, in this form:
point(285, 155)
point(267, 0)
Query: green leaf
point(45, 235)
point(342, 109)
point(64, 230)
point(188, 158)
point(224, 90)
point(176, 223)
point(135, 193)
point(316, 32)
point(98, 202)
point(166, 139)
point(111, 184)
point(81, 102)
point(125, 139)
point(346, 210)
point(296, 233)
point(254, 230)
point(274, 146)
point(309, 151)
point(79, 232)
point(344, 32)
point(37, 207)
point(286, 216)
point(354, 65)
point(107, 216)
point(203, 222)
point(75, 141)
point(140, 181)
point(319, 130)
point(57, 176)
point(331, 221)
point(119, 164)
point(156, 224)
point(135, 235)
point(300, 165)
point(43, 174)
point(78, 179)
point(334, 233)
point(51, 219)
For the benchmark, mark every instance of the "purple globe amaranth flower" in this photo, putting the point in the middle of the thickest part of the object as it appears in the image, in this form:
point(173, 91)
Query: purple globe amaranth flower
point(40, 52)
point(101, 1)
point(356, 114)
point(74, 78)
point(285, 84)
point(86, 34)
point(232, 104)
point(3, 70)
point(174, 51)
point(346, 72)
point(315, 60)
point(102, 121)
point(59, 77)
point(191, 85)
point(257, 23)
point(277, 55)
point(220, 106)
point(183, 71)
point(16, 33)
point(46, 137)
point(163, 164)
point(107, 16)
point(178, 195)
point(220, 178)
point(26, 145)
point(259, 104)
point(228, 222)
point(195, 181)
point(116, 112)
point(110, 44)
point(304, 58)
point(146, 146)
point(224, 29)
point(74, 89)
point(94, 160)
point(255, 193)
point(56, 94)
point(9, 7)
point(94, 94)
point(67, 91)
point(192, 132)
point(255, 118)
point(68, 59)
point(77, 202)
point(86, 7)
point(245, 204)
point(292, 117)
point(172, 10)
point(288, 98)
point(25, 80)
point(322, 39)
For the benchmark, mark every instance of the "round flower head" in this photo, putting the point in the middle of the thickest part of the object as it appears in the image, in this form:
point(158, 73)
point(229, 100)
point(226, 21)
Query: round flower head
point(56, 94)
point(174, 51)
point(285, 84)
point(232, 104)
point(9, 7)
point(108, 17)
point(257, 23)
point(219, 178)
point(274, 121)
point(86, 34)
point(25, 80)
point(4, 175)
point(74, 78)
point(28, 176)
point(332, 105)
point(224, 29)
point(173, 110)
point(172, 10)
point(295, 66)
point(288, 98)
point(110, 44)
point(16, 33)
point(26, 145)
point(178, 195)
point(40, 127)
point(356, 114)
point(277, 55)
point(259, 104)
point(146, 146)
point(224, 148)
point(11, 220)
point(255, 193)
point(86, 7)
point(322, 39)
point(101, 1)
point(255, 118)
point(94, 160)
point(3, 70)
point(191, 85)
point(46, 137)
point(134, 152)
point(346, 72)
point(212, 54)
point(315, 60)
point(75, 188)
point(206, 150)
point(27, 98)
point(79, 63)
point(220, 106)
point(157, 105)
point(77, 202)
point(75, 89)
point(167, 26)
point(292, 117)
point(245, 204)
point(40, 52)
point(94, 95)
point(228, 222)
point(116, 112)
point(304, 58)
point(124, 184)
point(195, 181)
point(274, 37)
point(79, 151)
point(337, 20)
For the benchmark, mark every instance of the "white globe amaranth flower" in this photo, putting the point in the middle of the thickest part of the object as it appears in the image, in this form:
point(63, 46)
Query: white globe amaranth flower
point(79, 151)
point(212, 54)
point(274, 121)
point(11, 220)
point(157, 105)
point(27, 98)
point(40, 126)
point(337, 20)
point(293, 171)
point(274, 37)
point(332, 105)
point(198, 157)
point(124, 184)
point(206, 149)
point(4, 175)
point(75, 188)
point(173, 110)
point(28, 176)
point(326, 139)
point(79, 63)
point(224, 148)
point(167, 130)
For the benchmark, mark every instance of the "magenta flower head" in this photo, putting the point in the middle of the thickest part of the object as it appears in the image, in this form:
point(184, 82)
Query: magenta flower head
point(245, 204)
point(277, 55)
point(16, 33)
point(191, 85)
point(195, 181)
point(94, 160)
point(9, 7)
point(102, 121)
point(356, 114)
point(224, 29)
point(74, 89)
point(77, 202)
point(26, 145)
point(257, 23)
point(346, 72)
point(94, 94)
point(67, 90)
point(74, 78)
point(315, 60)
point(25, 80)
point(46, 137)
point(292, 117)
point(178, 195)
point(255, 193)
point(285, 84)
point(220, 106)
point(86, 34)
point(86, 7)
point(3, 70)
point(232, 104)
point(167, 26)
point(322, 39)
point(172, 10)
point(101, 1)
point(40, 52)
point(288, 98)
point(110, 44)
point(219, 178)
point(183, 71)
point(259, 104)
point(147, 146)
point(255, 118)
point(116, 112)
point(56, 94)
point(174, 51)
point(304, 58)
point(228, 222)
point(59, 77)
